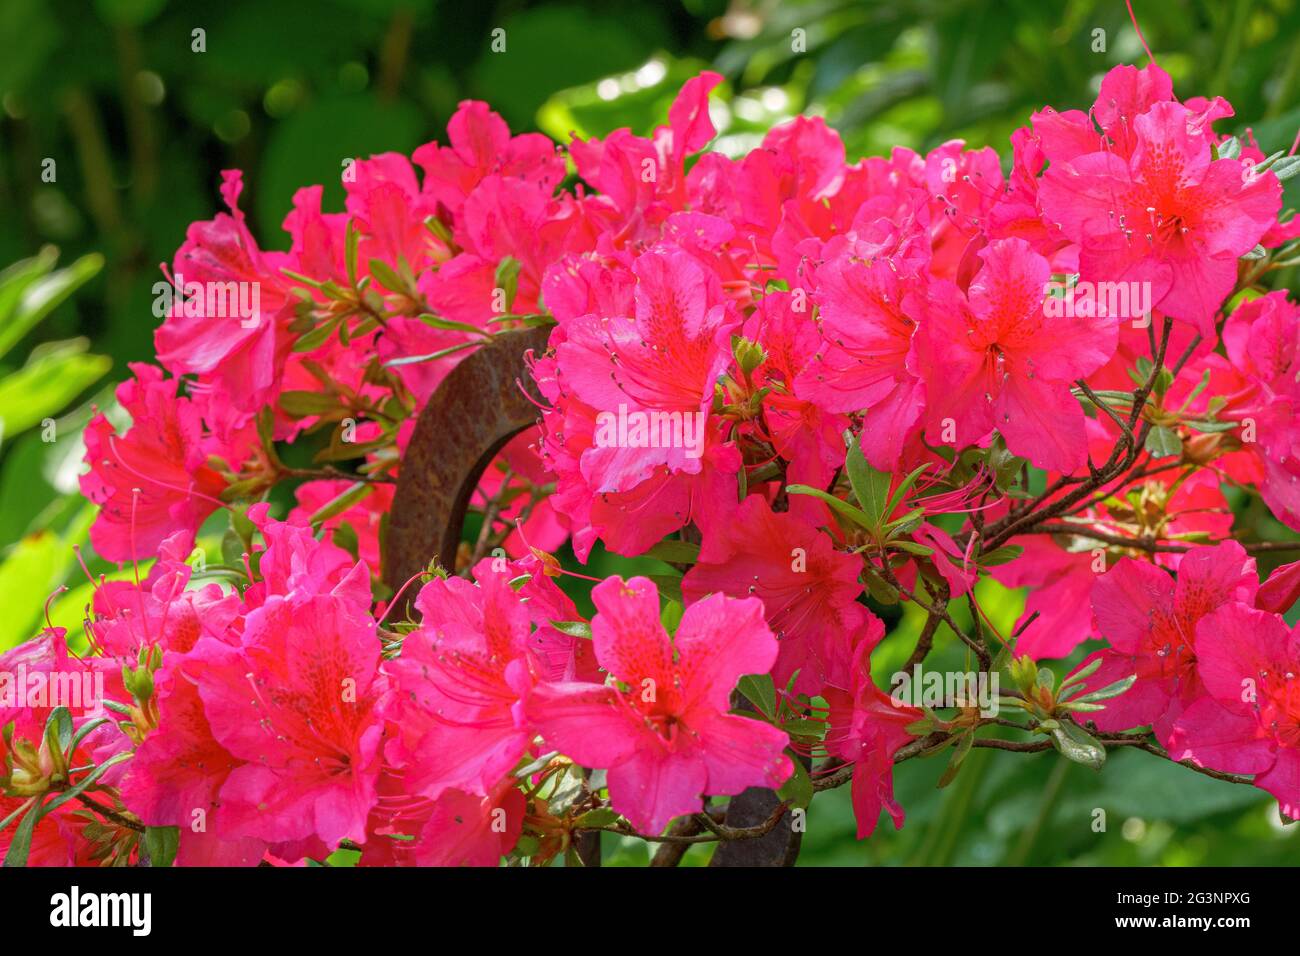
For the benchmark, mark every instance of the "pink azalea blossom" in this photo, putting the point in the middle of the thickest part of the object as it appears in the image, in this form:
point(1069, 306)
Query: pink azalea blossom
point(994, 358)
point(1151, 626)
point(459, 684)
point(1169, 215)
point(153, 480)
point(1248, 720)
point(809, 589)
point(867, 727)
point(296, 701)
point(242, 354)
point(663, 731)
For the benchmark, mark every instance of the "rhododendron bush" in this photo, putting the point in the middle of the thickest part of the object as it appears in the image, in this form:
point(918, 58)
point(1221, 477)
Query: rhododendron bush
point(804, 392)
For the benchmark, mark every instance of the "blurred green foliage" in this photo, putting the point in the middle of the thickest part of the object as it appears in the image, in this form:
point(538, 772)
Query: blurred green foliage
point(114, 127)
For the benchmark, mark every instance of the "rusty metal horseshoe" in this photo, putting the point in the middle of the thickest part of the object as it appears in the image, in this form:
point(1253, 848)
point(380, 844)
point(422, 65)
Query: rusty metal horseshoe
point(482, 404)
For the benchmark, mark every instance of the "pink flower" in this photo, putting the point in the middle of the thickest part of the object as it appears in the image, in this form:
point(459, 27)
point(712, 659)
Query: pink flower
point(1151, 625)
point(1169, 214)
point(809, 438)
point(240, 354)
point(1281, 590)
point(635, 203)
point(808, 588)
point(457, 829)
point(388, 211)
point(994, 358)
point(176, 776)
point(295, 700)
point(363, 518)
point(35, 677)
point(481, 145)
point(867, 727)
point(458, 685)
point(159, 611)
point(1262, 339)
point(965, 185)
point(1060, 583)
point(295, 565)
point(663, 731)
point(1248, 720)
point(661, 357)
point(867, 320)
point(155, 479)
point(665, 358)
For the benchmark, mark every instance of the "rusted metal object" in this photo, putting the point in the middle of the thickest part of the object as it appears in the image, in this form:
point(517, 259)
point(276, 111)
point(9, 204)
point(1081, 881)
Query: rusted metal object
point(777, 847)
point(474, 412)
point(477, 409)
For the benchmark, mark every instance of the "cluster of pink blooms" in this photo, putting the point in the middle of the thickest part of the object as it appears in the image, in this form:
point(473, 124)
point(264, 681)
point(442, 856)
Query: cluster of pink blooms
point(793, 308)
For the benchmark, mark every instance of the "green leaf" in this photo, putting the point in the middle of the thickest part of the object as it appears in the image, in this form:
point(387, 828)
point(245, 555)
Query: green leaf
point(798, 788)
point(870, 487)
point(964, 744)
point(1078, 706)
point(856, 515)
point(507, 279)
point(232, 547)
point(1078, 745)
point(600, 817)
point(389, 279)
point(669, 585)
point(1082, 674)
point(27, 575)
point(1286, 167)
point(25, 299)
point(568, 789)
point(438, 322)
point(21, 844)
point(805, 727)
point(51, 379)
point(1163, 442)
point(310, 341)
point(759, 690)
point(342, 502)
point(911, 547)
point(1109, 691)
point(76, 790)
point(534, 766)
point(1208, 426)
point(304, 404)
point(671, 616)
point(82, 732)
point(1008, 552)
point(61, 720)
point(905, 524)
point(675, 552)
point(897, 497)
point(880, 589)
point(351, 240)
point(573, 628)
point(161, 843)
point(16, 279)
point(432, 356)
